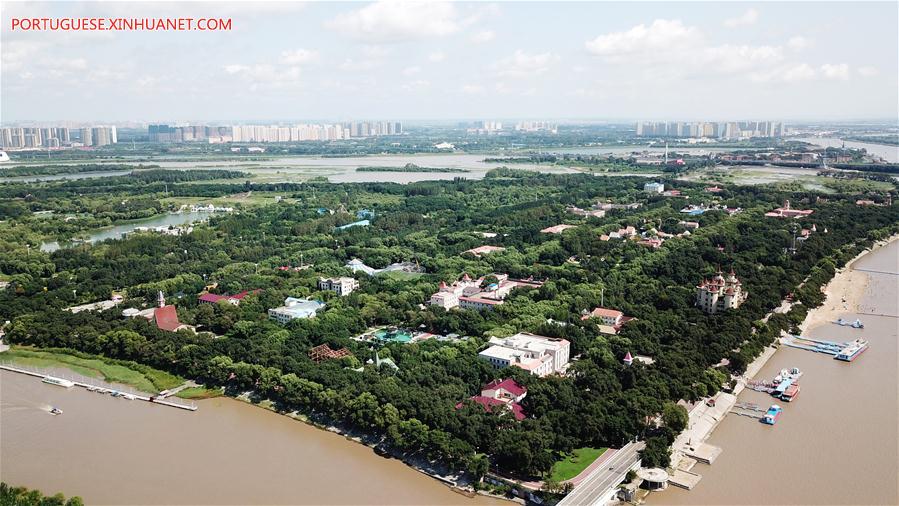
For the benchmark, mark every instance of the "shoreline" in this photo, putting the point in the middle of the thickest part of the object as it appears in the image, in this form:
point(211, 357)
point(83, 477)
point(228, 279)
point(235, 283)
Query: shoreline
point(844, 293)
point(384, 450)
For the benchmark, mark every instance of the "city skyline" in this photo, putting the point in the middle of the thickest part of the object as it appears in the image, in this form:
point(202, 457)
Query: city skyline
point(451, 61)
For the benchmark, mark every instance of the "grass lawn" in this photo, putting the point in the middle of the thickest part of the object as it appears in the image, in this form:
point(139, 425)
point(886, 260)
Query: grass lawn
point(401, 275)
point(141, 377)
point(199, 393)
point(574, 463)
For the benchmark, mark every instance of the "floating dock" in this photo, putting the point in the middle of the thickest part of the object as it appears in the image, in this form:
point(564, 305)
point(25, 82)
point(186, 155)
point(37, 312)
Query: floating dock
point(809, 344)
point(105, 390)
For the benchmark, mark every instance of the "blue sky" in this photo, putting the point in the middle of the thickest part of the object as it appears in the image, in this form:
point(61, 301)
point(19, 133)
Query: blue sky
point(436, 60)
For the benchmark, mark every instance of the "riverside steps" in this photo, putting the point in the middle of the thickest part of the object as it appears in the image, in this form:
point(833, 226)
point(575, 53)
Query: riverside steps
point(104, 389)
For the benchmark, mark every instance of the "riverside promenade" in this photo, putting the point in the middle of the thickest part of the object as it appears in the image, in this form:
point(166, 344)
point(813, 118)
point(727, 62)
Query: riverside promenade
point(104, 389)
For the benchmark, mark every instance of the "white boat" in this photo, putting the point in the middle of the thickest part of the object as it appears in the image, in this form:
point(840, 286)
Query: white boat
point(55, 411)
point(130, 397)
point(852, 350)
point(51, 380)
point(792, 374)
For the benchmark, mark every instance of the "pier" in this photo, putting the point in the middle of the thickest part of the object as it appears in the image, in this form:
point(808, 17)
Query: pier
point(104, 389)
point(815, 345)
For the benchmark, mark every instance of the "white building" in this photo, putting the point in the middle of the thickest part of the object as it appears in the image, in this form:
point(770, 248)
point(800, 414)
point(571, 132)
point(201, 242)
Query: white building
point(476, 294)
point(653, 187)
point(538, 355)
point(341, 286)
point(294, 308)
point(720, 293)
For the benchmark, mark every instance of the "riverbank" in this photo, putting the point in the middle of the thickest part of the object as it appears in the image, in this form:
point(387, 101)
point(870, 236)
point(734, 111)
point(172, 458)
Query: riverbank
point(845, 292)
point(141, 377)
point(455, 481)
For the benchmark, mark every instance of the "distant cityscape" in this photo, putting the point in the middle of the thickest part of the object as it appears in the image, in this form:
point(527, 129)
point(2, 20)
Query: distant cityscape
point(490, 127)
point(709, 129)
point(56, 137)
point(273, 133)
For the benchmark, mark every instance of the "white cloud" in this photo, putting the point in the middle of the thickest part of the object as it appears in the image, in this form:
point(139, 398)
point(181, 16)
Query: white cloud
point(523, 64)
point(472, 89)
point(868, 71)
point(352, 65)
point(298, 56)
point(747, 18)
point(394, 21)
point(661, 36)
point(437, 56)
point(418, 84)
point(483, 37)
point(838, 71)
point(375, 51)
point(411, 71)
point(264, 75)
point(729, 59)
point(798, 43)
point(801, 72)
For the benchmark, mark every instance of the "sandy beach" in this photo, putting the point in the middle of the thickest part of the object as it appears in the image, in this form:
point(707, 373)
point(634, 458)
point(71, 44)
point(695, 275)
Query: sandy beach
point(845, 292)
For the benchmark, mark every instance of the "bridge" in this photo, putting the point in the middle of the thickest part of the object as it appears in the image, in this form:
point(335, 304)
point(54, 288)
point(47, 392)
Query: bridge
point(600, 485)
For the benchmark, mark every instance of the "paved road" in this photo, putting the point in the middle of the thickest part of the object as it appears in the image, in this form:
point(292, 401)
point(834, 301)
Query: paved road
point(605, 477)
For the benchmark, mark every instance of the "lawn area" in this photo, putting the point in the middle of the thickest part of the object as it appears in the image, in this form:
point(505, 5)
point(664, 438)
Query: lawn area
point(401, 275)
point(574, 463)
point(141, 377)
point(199, 393)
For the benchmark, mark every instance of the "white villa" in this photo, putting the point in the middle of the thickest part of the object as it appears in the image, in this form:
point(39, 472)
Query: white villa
point(341, 286)
point(538, 355)
point(469, 293)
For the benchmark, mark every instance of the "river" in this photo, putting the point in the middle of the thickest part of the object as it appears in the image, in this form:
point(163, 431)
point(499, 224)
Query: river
point(837, 442)
point(301, 168)
point(888, 153)
point(112, 451)
point(119, 231)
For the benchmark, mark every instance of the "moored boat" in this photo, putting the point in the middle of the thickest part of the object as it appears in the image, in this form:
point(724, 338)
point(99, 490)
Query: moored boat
point(772, 415)
point(852, 350)
point(790, 393)
point(52, 380)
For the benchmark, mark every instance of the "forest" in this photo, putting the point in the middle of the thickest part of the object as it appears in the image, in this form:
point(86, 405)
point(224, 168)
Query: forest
point(600, 402)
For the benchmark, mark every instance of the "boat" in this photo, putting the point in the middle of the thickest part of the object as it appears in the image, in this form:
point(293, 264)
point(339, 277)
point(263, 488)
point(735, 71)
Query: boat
point(852, 350)
point(790, 393)
point(787, 374)
point(772, 415)
point(51, 380)
point(55, 411)
point(857, 324)
point(130, 397)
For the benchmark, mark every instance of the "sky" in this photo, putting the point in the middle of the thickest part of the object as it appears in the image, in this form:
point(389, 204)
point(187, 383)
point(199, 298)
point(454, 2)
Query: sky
point(452, 60)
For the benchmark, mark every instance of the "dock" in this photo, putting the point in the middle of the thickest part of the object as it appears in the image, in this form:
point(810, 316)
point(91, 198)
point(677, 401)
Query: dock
point(815, 345)
point(703, 452)
point(104, 389)
point(684, 479)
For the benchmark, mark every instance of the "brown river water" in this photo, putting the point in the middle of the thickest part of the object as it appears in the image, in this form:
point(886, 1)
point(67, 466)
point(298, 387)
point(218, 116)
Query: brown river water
point(115, 451)
point(837, 442)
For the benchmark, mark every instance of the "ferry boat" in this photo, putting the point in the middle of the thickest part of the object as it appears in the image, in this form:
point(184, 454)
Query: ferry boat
point(58, 382)
point(772, 415)
point(857, 324)
point(852, 350)
point(790, 393)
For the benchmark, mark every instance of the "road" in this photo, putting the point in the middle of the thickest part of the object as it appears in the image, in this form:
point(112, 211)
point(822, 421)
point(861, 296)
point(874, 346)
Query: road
point(609, 475)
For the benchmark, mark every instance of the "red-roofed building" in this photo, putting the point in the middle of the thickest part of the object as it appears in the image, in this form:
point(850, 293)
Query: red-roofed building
point(787, 212)
point(501, 394)
point(612, 319)
point(212, 298)
point(166, 318)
